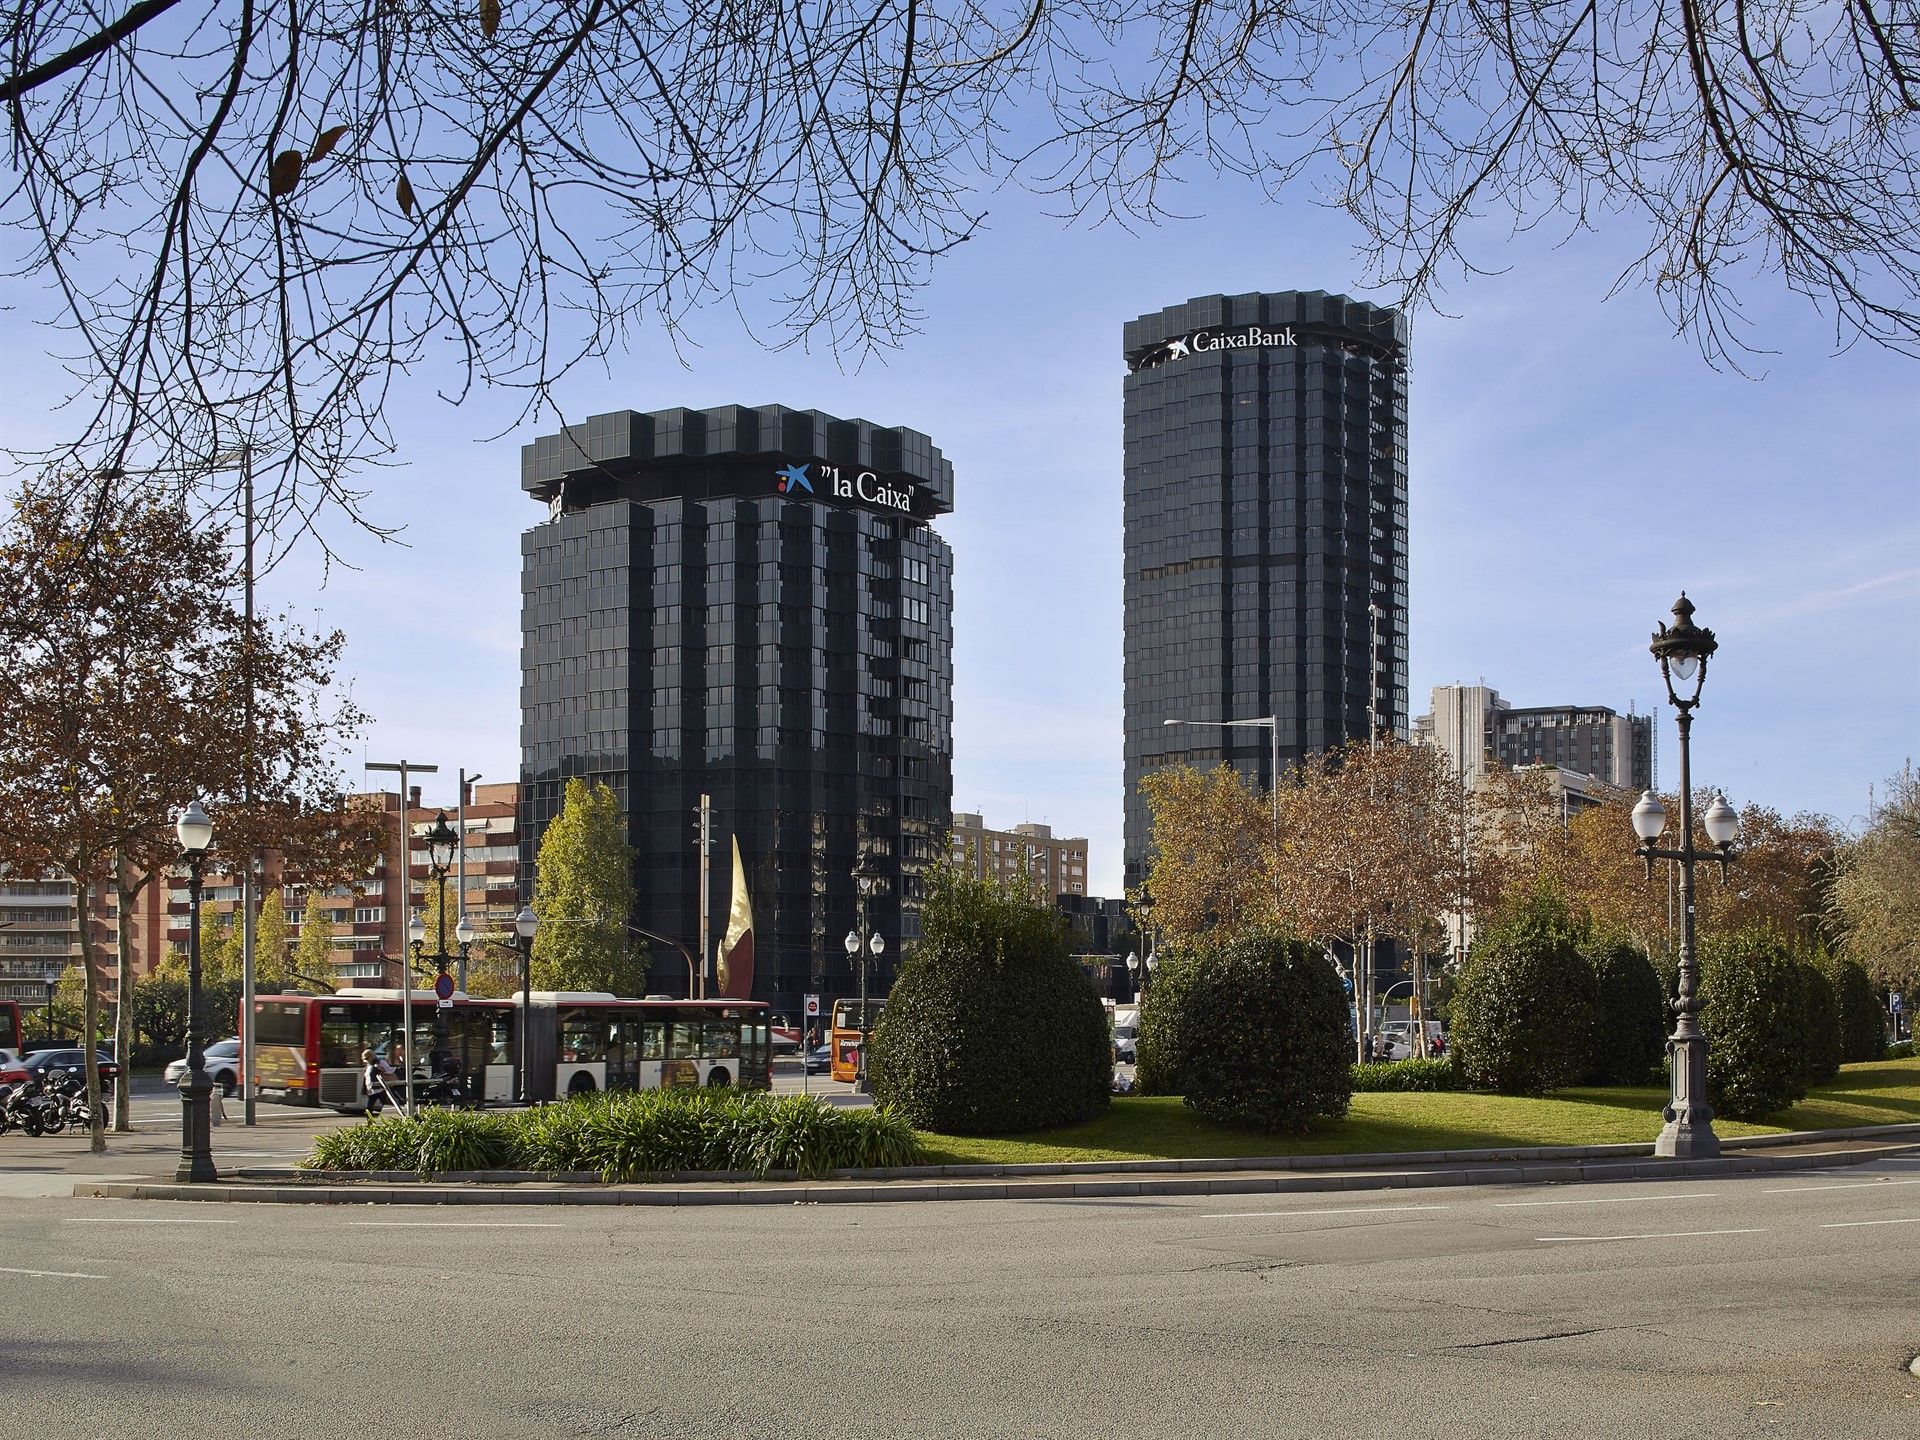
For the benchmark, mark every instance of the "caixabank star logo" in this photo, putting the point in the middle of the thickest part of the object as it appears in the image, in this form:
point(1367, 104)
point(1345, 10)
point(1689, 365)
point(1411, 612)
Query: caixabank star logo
point(793, 479)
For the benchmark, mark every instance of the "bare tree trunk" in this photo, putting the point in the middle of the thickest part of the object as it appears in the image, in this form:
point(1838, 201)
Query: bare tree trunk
point(90, 1026)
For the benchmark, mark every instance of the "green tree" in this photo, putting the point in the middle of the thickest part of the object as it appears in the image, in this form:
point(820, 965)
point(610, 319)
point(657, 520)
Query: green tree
point(583, 894)
point(1263, 1033)
point(1874, 902)
point(1751, 1009)
point(219, 946)
point(991, 1026)
point(1630, 1013)
point(1820, 1038)
point(313, 952)
point(1863, 1031)
point(270, 943)
point(1523, 1015)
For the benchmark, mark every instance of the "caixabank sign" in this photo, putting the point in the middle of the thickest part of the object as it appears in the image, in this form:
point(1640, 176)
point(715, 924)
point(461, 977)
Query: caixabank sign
point(1210, 341)
point(814, 479)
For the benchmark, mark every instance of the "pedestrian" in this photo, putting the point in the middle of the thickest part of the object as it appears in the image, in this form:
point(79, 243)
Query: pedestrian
point(375, 1072)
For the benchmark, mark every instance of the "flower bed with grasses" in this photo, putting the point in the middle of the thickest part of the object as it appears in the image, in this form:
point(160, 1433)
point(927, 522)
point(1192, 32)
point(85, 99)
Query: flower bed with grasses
point(636, 1136)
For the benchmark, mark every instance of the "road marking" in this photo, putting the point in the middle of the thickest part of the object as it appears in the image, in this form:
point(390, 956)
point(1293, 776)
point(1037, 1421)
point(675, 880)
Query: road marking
point(1663, 1235)
point(1607, 1200)
point(1852, 1185)
point(50, 1274)
point(1854, 1224)
point(1350, 1210)
point(143, 1220)
point(455, 1224)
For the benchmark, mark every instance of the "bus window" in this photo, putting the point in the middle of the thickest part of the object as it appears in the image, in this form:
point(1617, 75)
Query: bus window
point(653, 1039)
point(342, 1036)
point(582, 1038)
point(683, 1040)
point(722, 1039)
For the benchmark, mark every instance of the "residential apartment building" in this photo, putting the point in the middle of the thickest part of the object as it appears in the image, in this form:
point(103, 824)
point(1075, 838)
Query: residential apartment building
point(1057, 864)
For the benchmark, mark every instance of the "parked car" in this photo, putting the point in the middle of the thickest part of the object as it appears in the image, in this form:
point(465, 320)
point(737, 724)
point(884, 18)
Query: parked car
point(819, 1060)
point(44, 1065)
point(223, 1065)
point(12, 1071)
point(1126, 1039)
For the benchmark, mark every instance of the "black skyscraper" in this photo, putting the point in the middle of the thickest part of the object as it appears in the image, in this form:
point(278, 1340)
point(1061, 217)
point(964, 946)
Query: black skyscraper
point(750, 603)
point(1266, 521)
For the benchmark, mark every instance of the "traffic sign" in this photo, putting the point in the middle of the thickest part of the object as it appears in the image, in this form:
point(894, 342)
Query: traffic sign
point(813, 1007)
point(443, 987)
point(1894, 1000)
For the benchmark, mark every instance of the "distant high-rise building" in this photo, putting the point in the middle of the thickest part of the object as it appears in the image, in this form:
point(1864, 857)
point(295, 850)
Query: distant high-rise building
point(1476, 728)
point(1266, 533)
point(752, 604)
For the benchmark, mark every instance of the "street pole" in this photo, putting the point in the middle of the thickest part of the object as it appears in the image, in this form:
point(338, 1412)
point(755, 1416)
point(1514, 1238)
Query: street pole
point(195, 833)
point(524, 926)
point(406, 768)
point(465, 781)
point(247, 893)
point(706, 824)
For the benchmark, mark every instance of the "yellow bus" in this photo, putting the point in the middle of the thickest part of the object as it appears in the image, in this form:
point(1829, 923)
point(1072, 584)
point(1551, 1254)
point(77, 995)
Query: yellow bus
point(844, 1037)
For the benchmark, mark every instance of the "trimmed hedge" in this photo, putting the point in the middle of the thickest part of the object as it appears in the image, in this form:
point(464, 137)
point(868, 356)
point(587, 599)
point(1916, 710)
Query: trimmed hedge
point(1628, 1037)
point(1401, 1076)
point(1863, 1033)
point(1160, 1047)
point(1523, 1013)
point(1900, 1050)
point(628, 1136)
point(1752, 1008)
point(992, 1027)
point(1263, 1034)
point(1819, 1024)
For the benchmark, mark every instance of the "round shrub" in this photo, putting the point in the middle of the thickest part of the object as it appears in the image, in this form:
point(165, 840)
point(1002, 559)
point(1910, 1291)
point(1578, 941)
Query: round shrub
point(1819, 1024)
point(1630, 1024)
point(1523, 1012)
point(1262, 1034)
point(1862, 1035)
point(1751, 1009)
point(992, 1027)
point(1161, 1045)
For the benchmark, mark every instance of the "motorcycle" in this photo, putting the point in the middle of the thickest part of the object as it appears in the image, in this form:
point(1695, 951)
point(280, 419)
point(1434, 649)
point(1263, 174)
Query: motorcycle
point(70, 1095)
point(31, 1109)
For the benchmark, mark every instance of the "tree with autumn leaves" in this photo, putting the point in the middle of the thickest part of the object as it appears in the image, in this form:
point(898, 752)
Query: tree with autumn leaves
point(135, 685)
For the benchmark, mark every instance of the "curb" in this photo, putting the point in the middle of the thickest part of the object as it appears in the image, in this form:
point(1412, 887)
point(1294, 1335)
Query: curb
point(293, 1175)
point(840, 1192)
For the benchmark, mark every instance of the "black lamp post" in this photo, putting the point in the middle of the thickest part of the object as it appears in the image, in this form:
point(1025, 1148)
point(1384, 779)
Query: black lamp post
point(1683, 649)
point(864, 945)
point(442, 844)
point(195, 832)
point(52, 982)
point(524, 925)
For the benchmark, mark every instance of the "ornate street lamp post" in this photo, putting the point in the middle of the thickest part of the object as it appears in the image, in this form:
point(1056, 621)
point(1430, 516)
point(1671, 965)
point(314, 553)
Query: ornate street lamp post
point(524, 926)
point(1683, 649)
point(195, 833)
point(442, 844)
point(865, 945)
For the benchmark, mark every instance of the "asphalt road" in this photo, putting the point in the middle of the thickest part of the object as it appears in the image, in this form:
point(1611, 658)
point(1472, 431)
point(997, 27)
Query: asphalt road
point(1766, 1305)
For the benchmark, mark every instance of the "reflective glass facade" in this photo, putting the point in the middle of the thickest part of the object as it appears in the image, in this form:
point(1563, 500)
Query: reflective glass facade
point(1266, 517)
point(749, 603)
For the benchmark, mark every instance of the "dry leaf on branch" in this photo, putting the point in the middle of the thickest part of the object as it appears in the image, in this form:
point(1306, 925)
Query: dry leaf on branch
point(284, 173)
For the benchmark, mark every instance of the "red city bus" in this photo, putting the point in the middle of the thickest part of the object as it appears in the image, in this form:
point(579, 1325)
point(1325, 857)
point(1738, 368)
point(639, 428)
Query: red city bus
point(12, 1032)
point(579, 1042)
point(307, 1047)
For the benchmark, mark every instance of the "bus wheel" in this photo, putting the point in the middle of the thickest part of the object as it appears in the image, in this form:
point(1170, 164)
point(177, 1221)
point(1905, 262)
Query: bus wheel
point(581, 1084)
point(718, 1077)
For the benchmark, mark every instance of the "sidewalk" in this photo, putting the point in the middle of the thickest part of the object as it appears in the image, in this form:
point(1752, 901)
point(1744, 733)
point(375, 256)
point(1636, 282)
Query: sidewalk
point(1296, 1174)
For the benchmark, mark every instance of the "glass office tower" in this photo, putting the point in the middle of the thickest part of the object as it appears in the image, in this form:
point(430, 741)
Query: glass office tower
point(1266, 532)
point(749, 603)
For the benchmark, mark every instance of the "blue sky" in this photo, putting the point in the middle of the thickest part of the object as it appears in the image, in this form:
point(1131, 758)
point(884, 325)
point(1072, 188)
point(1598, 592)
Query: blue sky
point(1574, 463)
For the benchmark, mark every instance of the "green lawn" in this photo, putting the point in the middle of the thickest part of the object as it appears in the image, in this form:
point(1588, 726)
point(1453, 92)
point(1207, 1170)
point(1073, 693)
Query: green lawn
point(1161, 1128)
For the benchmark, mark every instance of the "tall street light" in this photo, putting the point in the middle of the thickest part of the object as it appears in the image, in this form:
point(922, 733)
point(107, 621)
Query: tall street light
point(441, 844)
point(865, 945)
point(1683, 649)
point(195, 833)
point(524, 926)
